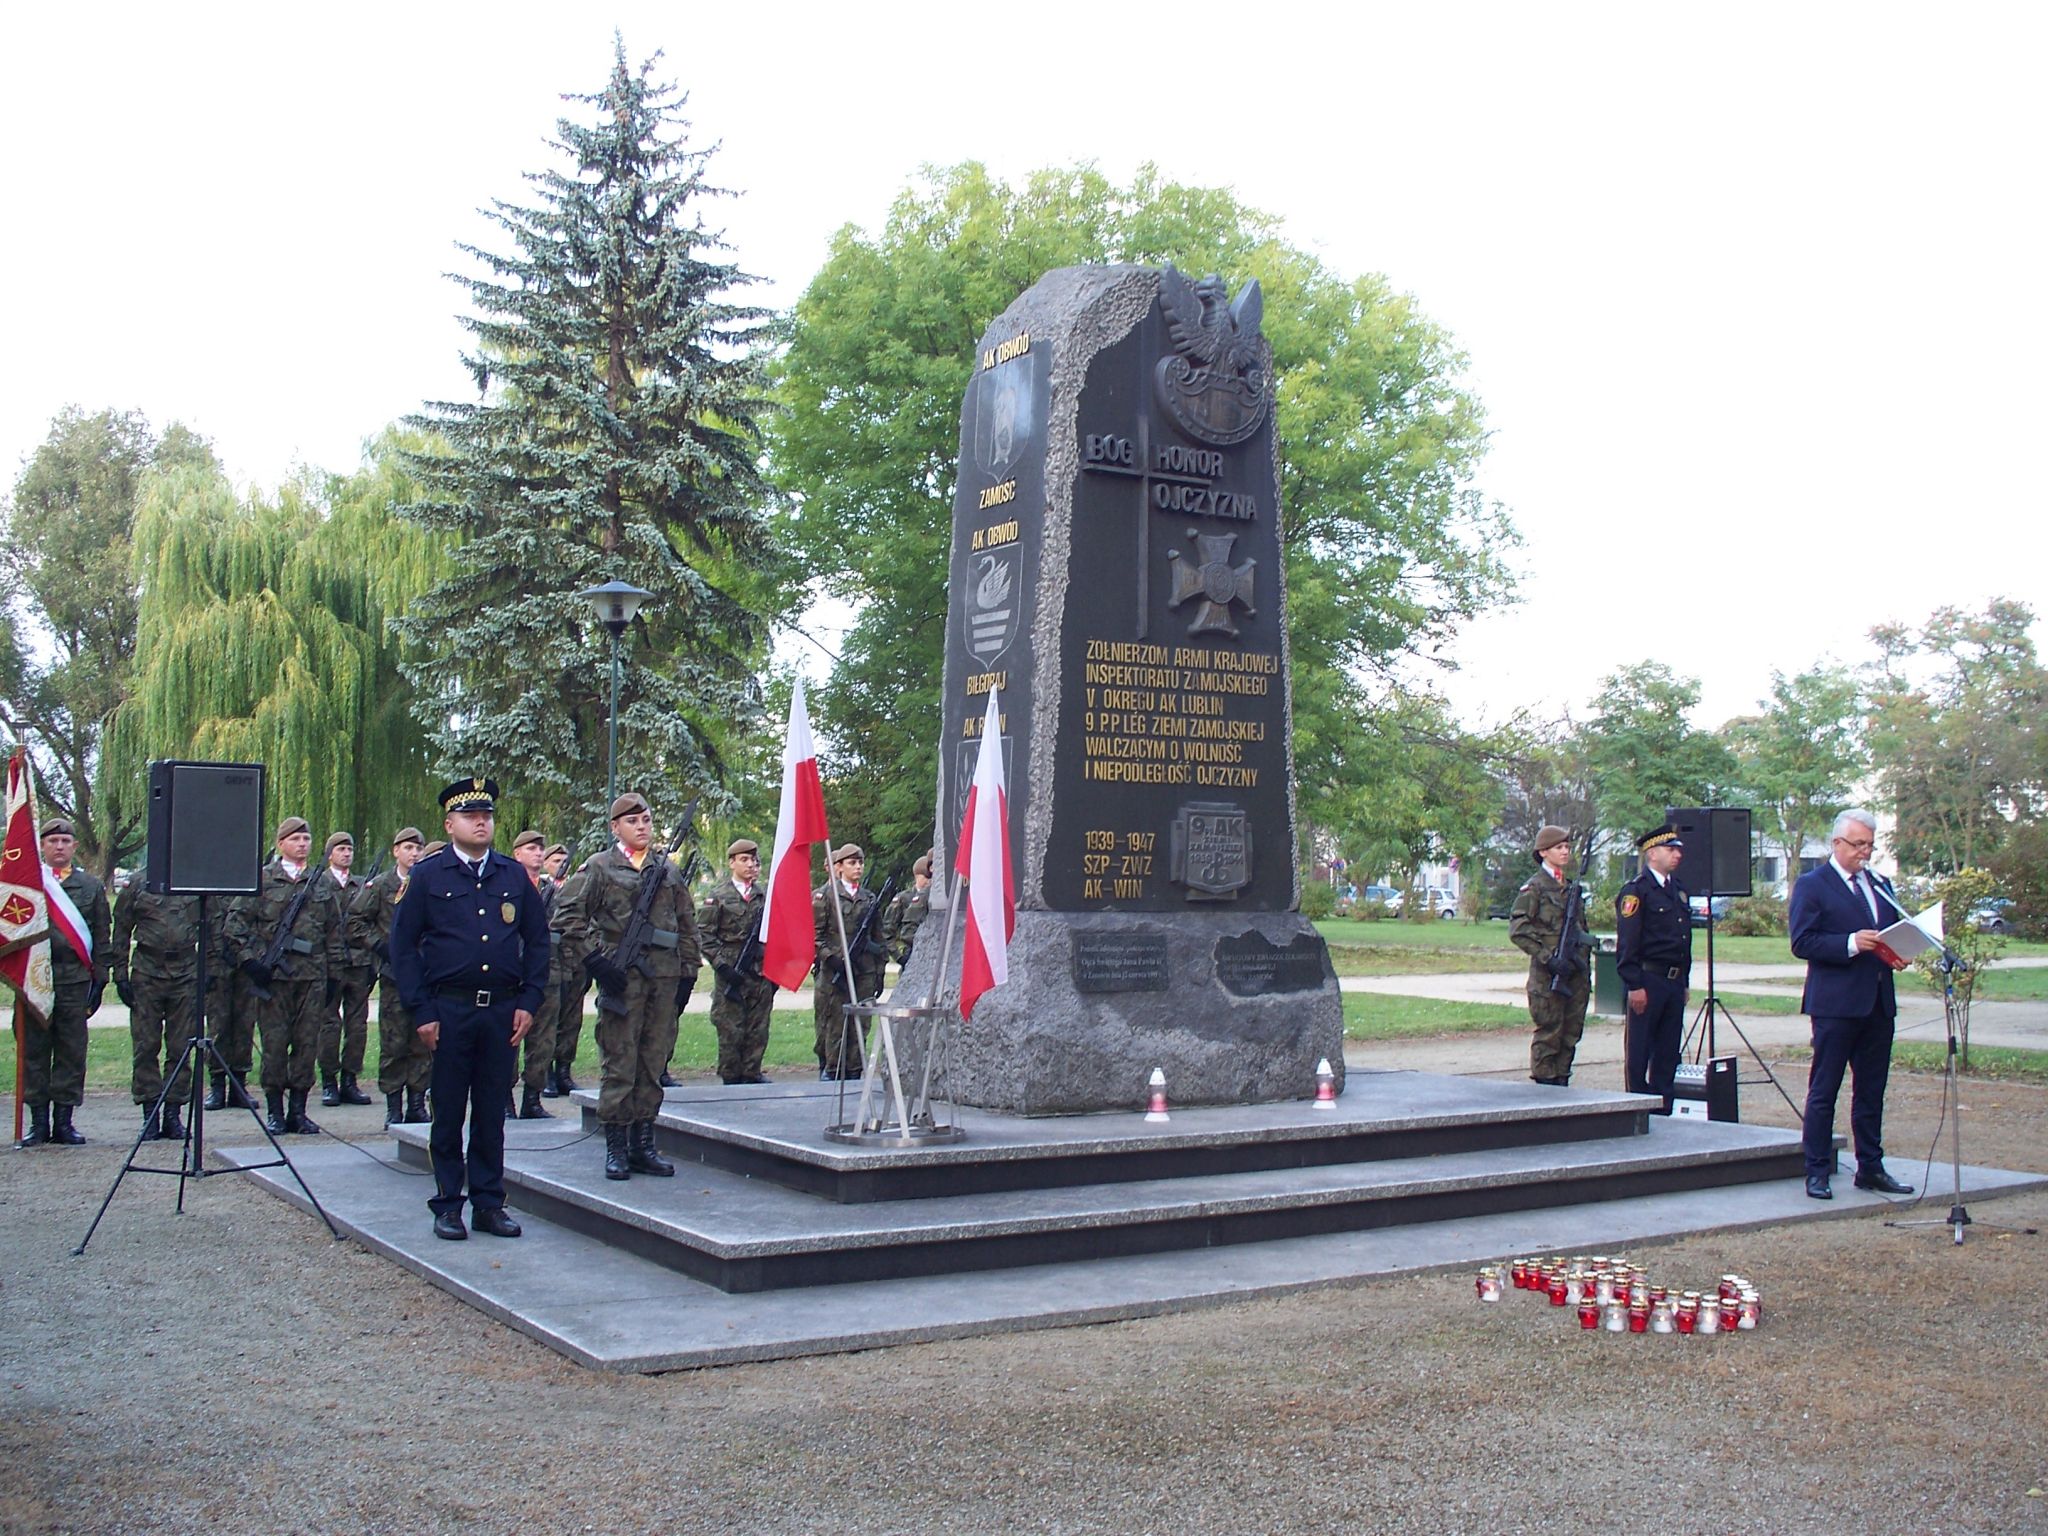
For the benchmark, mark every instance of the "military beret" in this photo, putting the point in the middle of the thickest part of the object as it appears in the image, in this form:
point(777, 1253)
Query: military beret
point(1664, 836)
point(923, 866)
point(1550, 837)
point(628, 804)
point(740, 845)
point(407, 835)
point(847, 851)
point(434, 847)
point(528, 836)
point(470, 795)
point(552, 849)
point(292, 826)
point(57, 825)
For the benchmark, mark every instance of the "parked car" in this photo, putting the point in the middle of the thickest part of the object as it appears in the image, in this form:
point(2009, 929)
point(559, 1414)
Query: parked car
point(1701, 906)
point(1992, 915)
point(1442, 902)
point(1385, 895)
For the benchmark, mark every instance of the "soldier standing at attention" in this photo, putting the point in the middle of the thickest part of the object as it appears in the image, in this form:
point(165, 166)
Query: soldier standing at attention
point(300, 985)
point(566, 988)
point(345, 1027)
point(157, 982)
point(53, 1049)
point(636, 1017)
point(529, 850)
point(907, 912)
point(405, 1063)
point(1534, 925)
point(743, 999)
point(829, 995)
point(470, 947)
point(1653, 951)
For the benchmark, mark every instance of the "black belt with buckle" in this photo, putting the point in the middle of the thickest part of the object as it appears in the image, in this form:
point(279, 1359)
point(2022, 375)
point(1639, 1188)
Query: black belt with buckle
point(1676, 972)
point(479, 998)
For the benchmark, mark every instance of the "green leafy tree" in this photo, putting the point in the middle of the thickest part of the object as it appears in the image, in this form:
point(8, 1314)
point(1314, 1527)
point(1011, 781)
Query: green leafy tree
point(1545, 779)
point(618, 437)
point(263, 634)
point(1643, 754)
point(1389, 547)
point(1801, 757)
point(1416, 788)
point(1956, 729)
point(69, 612)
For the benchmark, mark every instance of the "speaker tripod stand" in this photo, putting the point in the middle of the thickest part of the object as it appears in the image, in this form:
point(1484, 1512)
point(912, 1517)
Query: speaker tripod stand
point(199, 1053)
point(1702, 1026)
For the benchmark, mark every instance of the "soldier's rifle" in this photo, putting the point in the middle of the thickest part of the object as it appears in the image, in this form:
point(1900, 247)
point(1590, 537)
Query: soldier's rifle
point(260, 971)
point(746, 965)
point(1565, 960)
point(862, 941)
point(631, 954)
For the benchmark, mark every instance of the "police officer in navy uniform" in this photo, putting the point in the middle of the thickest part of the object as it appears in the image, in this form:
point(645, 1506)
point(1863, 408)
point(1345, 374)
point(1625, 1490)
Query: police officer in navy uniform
point(469, 945)
point(1653, 928)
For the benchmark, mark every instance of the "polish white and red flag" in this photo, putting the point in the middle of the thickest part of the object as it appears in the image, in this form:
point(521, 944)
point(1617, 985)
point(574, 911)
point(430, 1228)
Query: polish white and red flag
point(788, 937)
point(24, 897)
point(984, 865)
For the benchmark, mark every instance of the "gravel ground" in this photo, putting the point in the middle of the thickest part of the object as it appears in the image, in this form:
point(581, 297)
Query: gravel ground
point(234, 1370)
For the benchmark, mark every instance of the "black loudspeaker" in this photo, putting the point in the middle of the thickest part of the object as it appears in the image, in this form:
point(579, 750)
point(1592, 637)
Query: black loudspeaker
point(205, 829)
point(1717, 849)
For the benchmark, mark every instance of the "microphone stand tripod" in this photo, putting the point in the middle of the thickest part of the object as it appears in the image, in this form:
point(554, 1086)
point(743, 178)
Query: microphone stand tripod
point(1702, 1026)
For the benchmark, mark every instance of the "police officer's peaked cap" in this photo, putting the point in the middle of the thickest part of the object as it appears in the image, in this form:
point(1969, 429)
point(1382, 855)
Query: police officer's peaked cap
point(923, 866)
point(1665, 836)
point(470, 795)
point(292, 826)
point(740, 845)
point(340, 840)
point(628, 804)
point(1550, 837)
point(56, 825)
point(528, 836)
point(847, 851)
point(407, 835)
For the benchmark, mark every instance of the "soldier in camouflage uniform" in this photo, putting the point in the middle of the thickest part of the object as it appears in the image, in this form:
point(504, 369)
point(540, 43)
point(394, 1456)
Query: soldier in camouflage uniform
point(405, 1062)
point(636, 1020)
point(729, 915)
point(53, 1049)
point(566, 989)
point(1534, 924)
point(828, 995)
point(155, 967)
point(530, 852)
point(345, 1028)
point(907, 912)
point(303, 984)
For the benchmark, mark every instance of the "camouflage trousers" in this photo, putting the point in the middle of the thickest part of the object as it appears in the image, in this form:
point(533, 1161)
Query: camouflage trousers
point(231, 1012)
point(1560, 1019)
point(53, 1050)
point(540, 1040)
point(345, 1029)
point(160, 1026)
point(289, 1020)
point(403, 1058)
point(829, 1024)
point(569, 1020)
point(634, 1048)
point(742, 1026)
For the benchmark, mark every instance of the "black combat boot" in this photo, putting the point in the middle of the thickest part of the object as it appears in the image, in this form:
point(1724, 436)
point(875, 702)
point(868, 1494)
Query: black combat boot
point(350, 1093)
point(641, 1155)
point(275, 1124)
point(218, 1097)
point(530, 1106)
point(617, 1163)
point(152, 1126)
point(330, 1094)
point(238, 1095)
point(173, 1127)
point(552, 1088)
point(38, 1131)
point(394, 1108)
point(296, 1120)
point(416, 1107)
point(668, 1079)
point(62, 1132)
point(568, 1082)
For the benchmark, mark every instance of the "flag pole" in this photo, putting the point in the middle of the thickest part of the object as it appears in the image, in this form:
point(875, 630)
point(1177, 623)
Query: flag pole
point(20, 1049)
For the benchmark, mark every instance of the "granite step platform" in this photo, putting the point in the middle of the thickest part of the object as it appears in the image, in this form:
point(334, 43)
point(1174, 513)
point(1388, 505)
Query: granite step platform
point(741, 1234)
point(774, 1131)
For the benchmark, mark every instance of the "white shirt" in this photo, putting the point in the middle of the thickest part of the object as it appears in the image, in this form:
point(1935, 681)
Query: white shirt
point(1861, 890)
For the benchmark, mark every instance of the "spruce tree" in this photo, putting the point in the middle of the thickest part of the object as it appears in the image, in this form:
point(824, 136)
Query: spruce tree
point(617, 436)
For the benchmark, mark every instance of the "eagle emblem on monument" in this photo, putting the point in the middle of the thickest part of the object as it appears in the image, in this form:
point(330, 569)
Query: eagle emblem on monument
point(1215, 383)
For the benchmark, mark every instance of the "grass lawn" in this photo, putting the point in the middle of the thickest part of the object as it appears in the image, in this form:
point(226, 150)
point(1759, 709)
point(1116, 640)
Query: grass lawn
point(1373, 1016)
point(1760, 1002)
point(2001, 986)
point(108, 1059)
point(2002, 1063)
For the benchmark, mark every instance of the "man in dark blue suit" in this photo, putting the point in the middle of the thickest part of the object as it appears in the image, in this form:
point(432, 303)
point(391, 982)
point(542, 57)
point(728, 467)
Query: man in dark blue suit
point(1837, 913)
point(469, 945)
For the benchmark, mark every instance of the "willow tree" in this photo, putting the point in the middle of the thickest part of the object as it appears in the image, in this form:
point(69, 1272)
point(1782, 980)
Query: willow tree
point(616, 436)
point(264, 635)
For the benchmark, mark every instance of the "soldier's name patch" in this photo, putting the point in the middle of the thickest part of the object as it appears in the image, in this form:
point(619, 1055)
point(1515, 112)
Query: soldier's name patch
point(1631, 904)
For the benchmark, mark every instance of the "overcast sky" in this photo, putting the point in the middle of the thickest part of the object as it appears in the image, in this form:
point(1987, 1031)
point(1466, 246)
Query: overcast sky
point(1752, 293)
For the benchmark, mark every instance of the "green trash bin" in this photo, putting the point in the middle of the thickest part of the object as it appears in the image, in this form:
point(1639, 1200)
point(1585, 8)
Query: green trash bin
point(1610, 998)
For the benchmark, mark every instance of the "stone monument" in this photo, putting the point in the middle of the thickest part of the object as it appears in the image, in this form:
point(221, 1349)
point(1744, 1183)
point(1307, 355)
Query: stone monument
point(1116, 575)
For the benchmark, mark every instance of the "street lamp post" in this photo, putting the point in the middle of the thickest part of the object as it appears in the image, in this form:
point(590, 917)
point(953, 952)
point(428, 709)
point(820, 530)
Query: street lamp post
point(615, 603)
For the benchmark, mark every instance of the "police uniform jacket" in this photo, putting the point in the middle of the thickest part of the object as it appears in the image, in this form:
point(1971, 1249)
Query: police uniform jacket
point(1653, 929)
point(595, 914)
point(314, 951)
point(479, 936)
point(162, 931)
point(89, 895)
